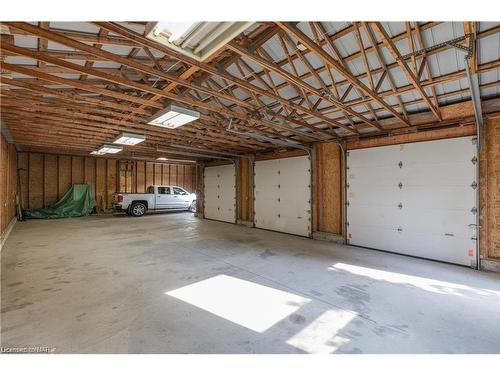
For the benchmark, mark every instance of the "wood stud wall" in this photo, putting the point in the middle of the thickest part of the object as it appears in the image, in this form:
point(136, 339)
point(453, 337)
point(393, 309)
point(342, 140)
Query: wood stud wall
point(8, 183)
point(46, 177)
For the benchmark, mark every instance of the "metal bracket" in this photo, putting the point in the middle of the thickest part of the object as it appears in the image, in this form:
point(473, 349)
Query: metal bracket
point(474, 160)
point(474, 185)
point(400, 205)
point(400, 185)
point(400, 164)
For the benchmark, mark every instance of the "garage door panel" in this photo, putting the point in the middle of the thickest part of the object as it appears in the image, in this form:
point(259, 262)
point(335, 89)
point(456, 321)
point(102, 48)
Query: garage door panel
point(439, 174)
point(378, 195)
point(439, 222)
point(378, 177)
point(220, 193)
point(282, 195)
point(370, 158)
point(438, 197)
point(415, 199)
point(374, 236)
point(379, 215)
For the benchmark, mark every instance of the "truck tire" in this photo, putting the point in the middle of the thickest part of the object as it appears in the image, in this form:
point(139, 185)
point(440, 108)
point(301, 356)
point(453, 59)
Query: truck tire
point(138, 209)
point(192, 207)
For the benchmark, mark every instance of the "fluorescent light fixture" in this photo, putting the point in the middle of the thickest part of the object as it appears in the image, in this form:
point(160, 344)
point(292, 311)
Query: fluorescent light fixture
point(176, 160)
point(110, 149)
point(97, 153)
point(246, 303)
point(301, 47)
point(198, 40)
point(173, 116)
point(129, 139)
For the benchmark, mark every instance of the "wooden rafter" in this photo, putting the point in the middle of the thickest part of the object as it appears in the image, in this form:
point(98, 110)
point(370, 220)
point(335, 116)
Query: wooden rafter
point(389, 44)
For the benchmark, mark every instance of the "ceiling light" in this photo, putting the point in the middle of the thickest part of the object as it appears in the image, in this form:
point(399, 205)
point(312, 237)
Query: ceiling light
point(301, 47)
point(110, 149)
point(97, 153)
point(198, 40)
point(173, 116)
point(176, 160)
point(129, 139)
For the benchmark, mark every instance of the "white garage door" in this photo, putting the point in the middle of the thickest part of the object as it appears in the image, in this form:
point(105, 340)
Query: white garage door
point(220, 193)
point(416, 199)
point(283, 195)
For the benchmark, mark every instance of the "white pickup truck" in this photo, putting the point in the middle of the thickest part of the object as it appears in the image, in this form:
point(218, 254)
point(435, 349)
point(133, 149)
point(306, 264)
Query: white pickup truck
point(157, 198)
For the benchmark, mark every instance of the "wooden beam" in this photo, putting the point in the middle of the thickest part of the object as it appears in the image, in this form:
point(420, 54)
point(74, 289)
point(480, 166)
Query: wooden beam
point(304, 39)
point(391, 47)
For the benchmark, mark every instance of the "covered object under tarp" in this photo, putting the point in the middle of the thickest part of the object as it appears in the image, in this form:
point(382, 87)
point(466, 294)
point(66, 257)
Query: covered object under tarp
point(78, 201)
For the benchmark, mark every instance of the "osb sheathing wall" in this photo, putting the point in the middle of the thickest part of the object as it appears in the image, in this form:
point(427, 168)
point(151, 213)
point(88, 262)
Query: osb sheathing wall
point(46, 177)
point(490, 190)
point(244, 192)
point(8, 183)
point(327, 188)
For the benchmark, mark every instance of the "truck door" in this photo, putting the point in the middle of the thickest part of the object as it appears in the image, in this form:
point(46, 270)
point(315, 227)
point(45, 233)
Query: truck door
point(164, 197)
point(181, 197)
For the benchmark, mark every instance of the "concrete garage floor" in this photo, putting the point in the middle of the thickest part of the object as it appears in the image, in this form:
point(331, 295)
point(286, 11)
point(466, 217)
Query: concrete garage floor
point(173, 283)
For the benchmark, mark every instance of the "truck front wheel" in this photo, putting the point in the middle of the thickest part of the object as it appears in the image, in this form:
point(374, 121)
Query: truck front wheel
point(192, 207)
point(138, 209)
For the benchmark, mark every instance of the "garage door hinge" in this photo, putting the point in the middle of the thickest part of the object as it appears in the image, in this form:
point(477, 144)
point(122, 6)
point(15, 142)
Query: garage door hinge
point(400, 205)
point(474, 140)
point(348, 186)
point(474, 160)
point(400, 185)
point(347, 223)
point(474, 210)
point(474, 185)
point(400, 229)
point(347, 153)
point(400, 164)
point(347, 203)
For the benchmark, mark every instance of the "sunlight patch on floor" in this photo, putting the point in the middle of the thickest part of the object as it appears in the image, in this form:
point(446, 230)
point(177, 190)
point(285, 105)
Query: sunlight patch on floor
point(251, 305)
point(430, 285)
point(323, 336)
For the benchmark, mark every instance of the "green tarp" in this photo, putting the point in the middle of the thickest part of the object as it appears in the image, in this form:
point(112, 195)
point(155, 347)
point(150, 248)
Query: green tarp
point(78, 201)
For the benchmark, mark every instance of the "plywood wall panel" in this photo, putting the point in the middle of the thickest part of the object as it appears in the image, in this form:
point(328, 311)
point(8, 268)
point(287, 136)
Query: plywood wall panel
point(89, 175)
point(100, 184)
point(141, 177)
point(36, 181)
point(50, 179)
point(173, 174)
point(23, 170)
point(77, 170)
point(490, 190)
point(8, 184)
point(64, 182)
point(157, 174)
point(327, 188)
point(110, 182)
point(165, 174)
point(244, 185)
point(149, 174)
